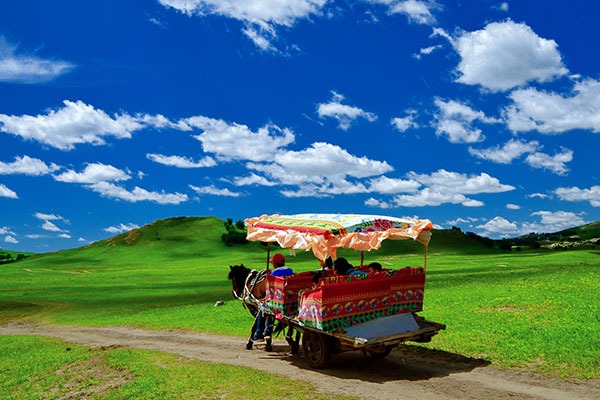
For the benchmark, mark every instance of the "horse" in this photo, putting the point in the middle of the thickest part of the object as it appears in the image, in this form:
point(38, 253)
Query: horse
point(249, 286)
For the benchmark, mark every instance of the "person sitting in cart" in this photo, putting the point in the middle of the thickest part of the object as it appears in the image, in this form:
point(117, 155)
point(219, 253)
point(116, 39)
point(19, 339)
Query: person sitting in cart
point(375, 267)
point(343, 267)
point(264, 325)
point(279, 268)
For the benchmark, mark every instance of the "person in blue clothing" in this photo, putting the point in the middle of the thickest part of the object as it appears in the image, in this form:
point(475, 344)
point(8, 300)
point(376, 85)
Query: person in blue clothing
point(343, 267)
point(264, 325)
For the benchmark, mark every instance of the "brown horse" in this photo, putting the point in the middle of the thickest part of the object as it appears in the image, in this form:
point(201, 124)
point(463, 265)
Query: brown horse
point(250, 287)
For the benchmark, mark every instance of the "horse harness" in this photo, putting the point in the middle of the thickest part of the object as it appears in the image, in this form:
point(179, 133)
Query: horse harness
point(253, 278)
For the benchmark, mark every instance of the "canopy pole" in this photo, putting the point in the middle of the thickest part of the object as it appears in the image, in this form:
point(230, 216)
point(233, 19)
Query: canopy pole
point(268, 254)
point(425, 261)
point(362, 258)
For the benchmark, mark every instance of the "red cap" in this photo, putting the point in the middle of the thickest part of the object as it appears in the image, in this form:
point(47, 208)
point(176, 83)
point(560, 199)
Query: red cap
point(278, 259)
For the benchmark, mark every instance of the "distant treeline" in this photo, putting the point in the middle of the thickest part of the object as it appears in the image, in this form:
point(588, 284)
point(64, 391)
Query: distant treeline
point(8, 258)
point(236, 233)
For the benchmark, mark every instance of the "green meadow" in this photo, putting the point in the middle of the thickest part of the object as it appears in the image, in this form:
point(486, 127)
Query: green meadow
point(534, 309)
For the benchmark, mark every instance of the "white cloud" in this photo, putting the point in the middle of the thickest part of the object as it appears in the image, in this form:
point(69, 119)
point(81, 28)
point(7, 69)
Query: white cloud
point(112, 191)
point(253, 179)
point(431, 197)
point(443, 187)
point(454, 120)
point(27, 166)
point(49, 226)
point(538, 195)
point(426, 50)
point(260, 17)
point(93, 173)
point(576, 194)
point(238, 142)
point(507, 153)
point(454, 182)
point(550, 222)
point(33, 236)
point(81, 240)
point(503, 6)
point(344, 114)
point(5, 230)
point(212, 189)
point(551, 113)
point(513, 206)
point(468, 220)
point(555, 163)
point(48, 217)
point(64, 236)
point(182, 162)
point(499, 225)
point(10, 239)
point(23, 68)
point(371, 202)
point(120, 228)
point(504, 55)
point(385, 185)
point(405, 123)
point(77, 123)
point(6, 192)
point(416, 11)
point(560, 219)
point(319, 170)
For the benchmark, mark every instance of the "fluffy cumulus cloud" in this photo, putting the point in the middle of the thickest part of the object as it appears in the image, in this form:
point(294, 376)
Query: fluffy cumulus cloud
point(253, 179)
point(77, 123)
point(555, 163)
point(215, 191)
point(5, 230)
point(513, 206)
point(506, 153)
point(6, 192)
point(121, 228)
point(499, 226)
point(550, 221)
point(182, 162)
point(260, 17)
point(322, 169)
point(344, 114)
point(576, 194)
point(237, 142)
point(112, 191)
point(27, 166)
point(385, 185)
point(417, 11)
point(454, 120)
point(17, 67)
point(445, 187)
point(504, 55)
point(403, 124)
point(93, 173)
point(552, 113)
point(11, 239)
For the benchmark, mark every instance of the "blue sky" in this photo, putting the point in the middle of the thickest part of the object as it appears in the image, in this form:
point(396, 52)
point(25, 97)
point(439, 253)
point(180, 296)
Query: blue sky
point(478, 114)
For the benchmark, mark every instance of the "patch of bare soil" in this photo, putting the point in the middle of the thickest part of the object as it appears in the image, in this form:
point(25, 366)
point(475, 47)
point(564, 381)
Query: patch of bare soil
point(407, 373)
point(90, 378)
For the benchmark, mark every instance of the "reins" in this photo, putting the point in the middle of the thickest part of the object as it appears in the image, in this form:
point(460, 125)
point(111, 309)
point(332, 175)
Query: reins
point(253, 278)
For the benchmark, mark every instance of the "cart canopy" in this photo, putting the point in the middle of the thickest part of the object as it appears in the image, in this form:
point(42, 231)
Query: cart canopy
point(325, 233)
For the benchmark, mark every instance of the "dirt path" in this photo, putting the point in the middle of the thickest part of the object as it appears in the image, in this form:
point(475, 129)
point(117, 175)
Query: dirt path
point(408, 374)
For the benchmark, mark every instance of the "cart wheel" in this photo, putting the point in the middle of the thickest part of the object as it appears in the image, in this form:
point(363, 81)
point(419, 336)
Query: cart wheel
point(317, 349)
point(382, 354)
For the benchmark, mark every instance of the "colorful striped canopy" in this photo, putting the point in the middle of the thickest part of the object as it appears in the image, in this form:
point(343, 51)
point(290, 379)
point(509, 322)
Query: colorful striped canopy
point(324, 233)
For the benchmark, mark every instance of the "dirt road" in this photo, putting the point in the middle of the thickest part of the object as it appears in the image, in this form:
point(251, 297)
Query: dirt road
point(412, 373)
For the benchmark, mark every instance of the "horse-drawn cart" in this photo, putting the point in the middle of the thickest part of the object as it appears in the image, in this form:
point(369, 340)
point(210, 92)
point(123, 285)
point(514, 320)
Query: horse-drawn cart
point(373, 312)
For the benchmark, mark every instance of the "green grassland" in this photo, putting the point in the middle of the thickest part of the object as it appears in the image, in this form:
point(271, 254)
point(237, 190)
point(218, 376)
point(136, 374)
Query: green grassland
point(536, 309)
point(43, 368)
